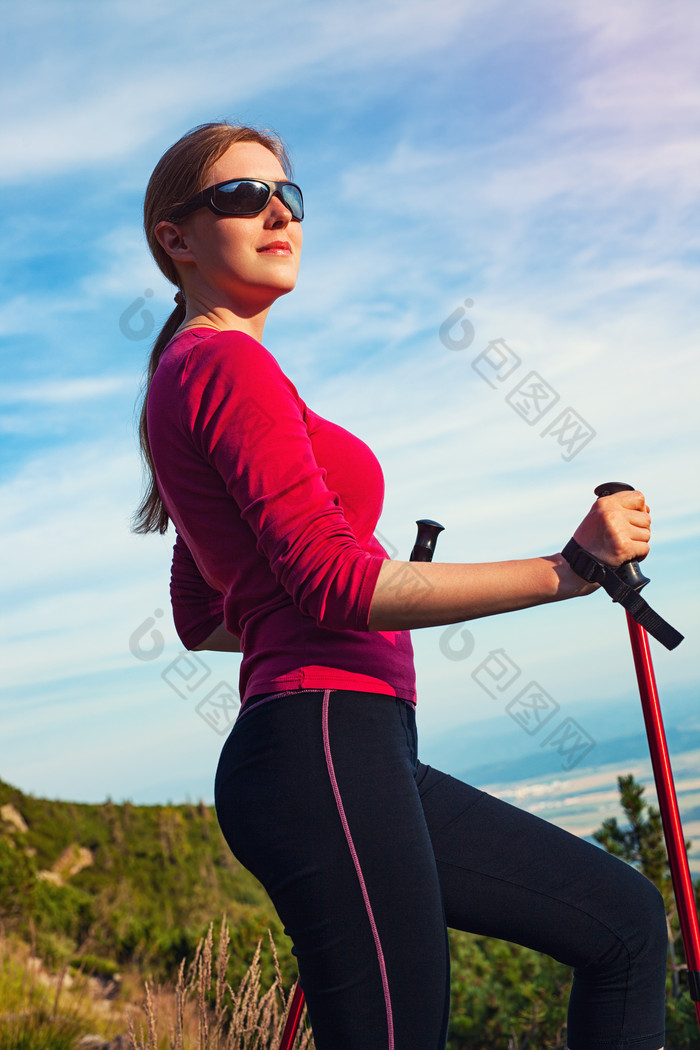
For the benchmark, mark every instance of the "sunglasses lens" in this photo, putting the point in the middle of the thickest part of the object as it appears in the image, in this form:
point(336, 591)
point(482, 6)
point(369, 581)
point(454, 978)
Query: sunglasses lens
point(291, 197)
point(243, 197)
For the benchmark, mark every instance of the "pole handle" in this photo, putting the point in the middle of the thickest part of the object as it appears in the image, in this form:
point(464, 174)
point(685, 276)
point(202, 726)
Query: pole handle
point(629, 572)
point(428, 532)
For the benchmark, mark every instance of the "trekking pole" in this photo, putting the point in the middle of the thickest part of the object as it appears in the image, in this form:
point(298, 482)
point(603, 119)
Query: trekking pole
point(624, 584)
point(423, 550)
point(663, 775)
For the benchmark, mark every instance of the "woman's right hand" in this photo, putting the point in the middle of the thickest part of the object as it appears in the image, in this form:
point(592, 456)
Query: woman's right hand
point(617, 528)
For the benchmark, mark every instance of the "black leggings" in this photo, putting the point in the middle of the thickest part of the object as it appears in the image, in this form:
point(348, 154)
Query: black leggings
point(368, 855)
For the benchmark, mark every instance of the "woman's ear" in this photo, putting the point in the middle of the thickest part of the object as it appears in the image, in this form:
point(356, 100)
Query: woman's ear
point(173, 241)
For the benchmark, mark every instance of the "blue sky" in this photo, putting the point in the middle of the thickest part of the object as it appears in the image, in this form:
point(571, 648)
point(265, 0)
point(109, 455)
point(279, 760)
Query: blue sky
point(535, 161)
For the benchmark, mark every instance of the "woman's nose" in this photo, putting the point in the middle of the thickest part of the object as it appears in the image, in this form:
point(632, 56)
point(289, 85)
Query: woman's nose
point(278, 212)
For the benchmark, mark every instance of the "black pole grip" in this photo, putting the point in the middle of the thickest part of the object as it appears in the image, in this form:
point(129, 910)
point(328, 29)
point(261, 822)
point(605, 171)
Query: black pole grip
point(424, 547)
point(629, 572)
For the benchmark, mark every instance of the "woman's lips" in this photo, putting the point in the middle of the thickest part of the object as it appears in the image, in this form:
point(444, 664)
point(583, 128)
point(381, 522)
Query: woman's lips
point(276, 248)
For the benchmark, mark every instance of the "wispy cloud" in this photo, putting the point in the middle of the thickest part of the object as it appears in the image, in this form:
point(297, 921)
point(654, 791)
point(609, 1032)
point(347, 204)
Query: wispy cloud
point(63, 392)
point(94, 115)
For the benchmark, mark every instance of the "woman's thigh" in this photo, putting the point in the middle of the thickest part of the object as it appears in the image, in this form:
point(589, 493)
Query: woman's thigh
point(316, 795)
point(506, 873)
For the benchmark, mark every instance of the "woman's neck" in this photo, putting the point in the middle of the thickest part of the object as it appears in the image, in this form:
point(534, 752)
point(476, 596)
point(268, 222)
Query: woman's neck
point(223, 319)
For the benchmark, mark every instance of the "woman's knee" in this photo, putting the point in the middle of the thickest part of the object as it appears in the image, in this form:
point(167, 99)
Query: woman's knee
point(642, 934)
point(650, 919)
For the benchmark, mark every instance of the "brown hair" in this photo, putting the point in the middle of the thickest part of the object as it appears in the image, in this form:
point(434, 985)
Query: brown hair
point(181, 172)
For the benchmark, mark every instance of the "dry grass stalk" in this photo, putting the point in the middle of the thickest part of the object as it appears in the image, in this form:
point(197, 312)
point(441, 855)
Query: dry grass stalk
point(176, 1037)
point(244, 1019)
point(151, 1014)
point(203, 986)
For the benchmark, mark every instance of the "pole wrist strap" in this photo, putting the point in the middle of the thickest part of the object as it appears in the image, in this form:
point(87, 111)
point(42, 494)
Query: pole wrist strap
point(592, 570)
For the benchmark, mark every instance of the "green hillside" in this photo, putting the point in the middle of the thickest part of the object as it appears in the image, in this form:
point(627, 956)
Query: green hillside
point(124, 885)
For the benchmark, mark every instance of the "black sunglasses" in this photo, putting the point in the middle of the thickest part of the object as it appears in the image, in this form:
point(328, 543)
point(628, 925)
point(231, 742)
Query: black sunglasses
point(243, 197)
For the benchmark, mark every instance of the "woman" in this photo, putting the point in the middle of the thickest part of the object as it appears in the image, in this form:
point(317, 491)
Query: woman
point(367, 854)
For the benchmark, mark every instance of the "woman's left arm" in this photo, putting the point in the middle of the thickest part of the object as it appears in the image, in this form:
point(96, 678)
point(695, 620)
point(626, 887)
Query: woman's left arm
point(197, 607)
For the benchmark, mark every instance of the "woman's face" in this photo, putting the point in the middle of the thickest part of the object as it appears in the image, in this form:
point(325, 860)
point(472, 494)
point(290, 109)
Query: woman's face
point(240, 262)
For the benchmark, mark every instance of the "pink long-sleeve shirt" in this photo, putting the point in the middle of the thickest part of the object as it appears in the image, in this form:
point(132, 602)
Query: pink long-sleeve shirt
point(275, 510)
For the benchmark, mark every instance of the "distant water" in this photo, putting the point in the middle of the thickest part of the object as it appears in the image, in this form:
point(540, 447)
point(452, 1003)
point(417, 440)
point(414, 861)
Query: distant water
point(581, 800)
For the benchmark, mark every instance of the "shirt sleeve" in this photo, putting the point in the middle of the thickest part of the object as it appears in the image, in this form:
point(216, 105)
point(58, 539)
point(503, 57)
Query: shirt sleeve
point(197, 608)
point(247, 419)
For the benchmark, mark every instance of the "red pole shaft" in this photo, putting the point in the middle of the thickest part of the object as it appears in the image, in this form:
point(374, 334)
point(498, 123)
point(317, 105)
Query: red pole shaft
point(293, 1017)
point(668, 803)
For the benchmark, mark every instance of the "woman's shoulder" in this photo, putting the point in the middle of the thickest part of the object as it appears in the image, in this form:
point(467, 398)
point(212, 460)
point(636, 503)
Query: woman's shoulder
point(199, 353)
point(211, 341)
point(223, 362)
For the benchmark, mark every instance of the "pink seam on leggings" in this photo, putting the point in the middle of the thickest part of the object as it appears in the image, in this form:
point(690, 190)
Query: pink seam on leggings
point(358, 869)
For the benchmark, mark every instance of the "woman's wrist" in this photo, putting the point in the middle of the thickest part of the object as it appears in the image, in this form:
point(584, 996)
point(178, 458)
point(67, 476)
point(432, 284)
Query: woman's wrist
point(570, 584)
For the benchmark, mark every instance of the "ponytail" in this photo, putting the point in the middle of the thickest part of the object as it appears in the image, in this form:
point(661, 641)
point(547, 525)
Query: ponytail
point(151, 515)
